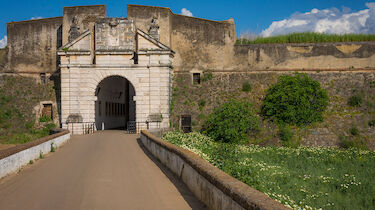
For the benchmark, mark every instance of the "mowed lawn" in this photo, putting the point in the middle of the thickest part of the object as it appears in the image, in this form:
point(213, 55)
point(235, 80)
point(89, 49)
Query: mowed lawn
point(303, 177)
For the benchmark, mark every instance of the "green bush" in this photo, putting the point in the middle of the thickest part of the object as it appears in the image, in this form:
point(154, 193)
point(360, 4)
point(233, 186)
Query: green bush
point(295, 100)
point(285, 134)
point(355, 101)
point(354, 131)
point(45, 119)
point(29, 125)
point(232, 122)
point(371, 123)
point(246, 87)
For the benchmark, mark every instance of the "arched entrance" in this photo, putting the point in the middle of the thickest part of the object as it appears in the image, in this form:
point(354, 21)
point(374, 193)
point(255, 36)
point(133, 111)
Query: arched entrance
point(114, 107)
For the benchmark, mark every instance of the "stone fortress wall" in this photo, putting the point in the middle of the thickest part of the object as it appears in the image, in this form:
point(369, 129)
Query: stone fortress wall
point(200, 46)
point(33, 45)
point(206, 45)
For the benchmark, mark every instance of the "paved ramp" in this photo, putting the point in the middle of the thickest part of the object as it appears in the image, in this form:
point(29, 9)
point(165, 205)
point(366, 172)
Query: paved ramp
point(105, 170)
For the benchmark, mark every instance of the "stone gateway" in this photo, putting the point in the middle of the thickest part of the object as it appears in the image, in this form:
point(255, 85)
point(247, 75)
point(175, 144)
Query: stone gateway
point(117, 77)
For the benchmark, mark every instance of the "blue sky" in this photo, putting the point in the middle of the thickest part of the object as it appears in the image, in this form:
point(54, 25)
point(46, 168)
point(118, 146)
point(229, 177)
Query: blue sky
point(250, 16)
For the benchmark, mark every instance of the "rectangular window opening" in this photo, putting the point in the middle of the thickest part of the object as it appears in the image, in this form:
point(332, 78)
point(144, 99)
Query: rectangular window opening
point(185, 123)
point(47, 111)
point(43, 78)
point(196, 78)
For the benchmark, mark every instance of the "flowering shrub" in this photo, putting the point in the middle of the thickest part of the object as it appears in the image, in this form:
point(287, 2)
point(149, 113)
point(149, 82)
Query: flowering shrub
point(301, 178)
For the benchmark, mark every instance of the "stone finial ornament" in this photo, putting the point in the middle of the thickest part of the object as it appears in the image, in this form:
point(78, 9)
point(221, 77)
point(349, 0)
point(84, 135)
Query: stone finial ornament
point(113, 23)
point(74, 30)
point(154, 29)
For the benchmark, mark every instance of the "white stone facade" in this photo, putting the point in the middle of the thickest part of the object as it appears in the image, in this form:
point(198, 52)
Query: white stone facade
point(81, 75)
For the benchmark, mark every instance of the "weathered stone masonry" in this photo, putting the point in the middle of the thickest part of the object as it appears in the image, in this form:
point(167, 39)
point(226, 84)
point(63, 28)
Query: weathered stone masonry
point(116, 40)
point(101, 47)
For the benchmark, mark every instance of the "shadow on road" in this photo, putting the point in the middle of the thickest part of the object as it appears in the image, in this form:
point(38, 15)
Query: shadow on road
point(188, 196)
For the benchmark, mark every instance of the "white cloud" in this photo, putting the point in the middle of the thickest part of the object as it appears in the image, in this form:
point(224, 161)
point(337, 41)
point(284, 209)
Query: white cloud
point(3, 42)
point(186, 12)
point(249, 35)
point(332, 21)
point(36, 18)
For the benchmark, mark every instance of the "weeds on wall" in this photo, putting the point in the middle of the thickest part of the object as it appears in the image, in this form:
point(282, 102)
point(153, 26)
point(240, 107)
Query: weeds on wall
point(354, 131)
point(355, 101)
point(201, 104)
point(207, 76)
point(246, 87)
point(52, 148)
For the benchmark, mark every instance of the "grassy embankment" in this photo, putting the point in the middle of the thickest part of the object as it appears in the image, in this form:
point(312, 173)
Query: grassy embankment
point(310, 178)
point(308, 37)
point(18, 96)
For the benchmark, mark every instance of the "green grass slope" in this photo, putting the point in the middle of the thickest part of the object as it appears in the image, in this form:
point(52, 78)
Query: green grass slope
point(308, 37)
point(18, 97)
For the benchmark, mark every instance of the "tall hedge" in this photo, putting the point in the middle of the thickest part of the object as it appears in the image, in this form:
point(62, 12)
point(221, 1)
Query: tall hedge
point(296, 100)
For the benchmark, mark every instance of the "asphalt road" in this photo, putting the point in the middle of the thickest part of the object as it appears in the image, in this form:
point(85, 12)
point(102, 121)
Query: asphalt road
point(105, 170)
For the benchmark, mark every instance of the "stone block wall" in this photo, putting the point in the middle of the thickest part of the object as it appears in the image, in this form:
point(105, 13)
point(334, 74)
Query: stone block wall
point(143, 15)
point(151, 83)
point(308, 56)
point(33, 45)
point(114, 34)
point(85, 17)
point(12, 159)
point(3, 59)
point(202, 44)
point(218, 87)
point(198, 43)
point(24, 98)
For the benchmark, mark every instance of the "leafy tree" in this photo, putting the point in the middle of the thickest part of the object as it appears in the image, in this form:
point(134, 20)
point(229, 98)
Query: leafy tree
point(295, 100)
